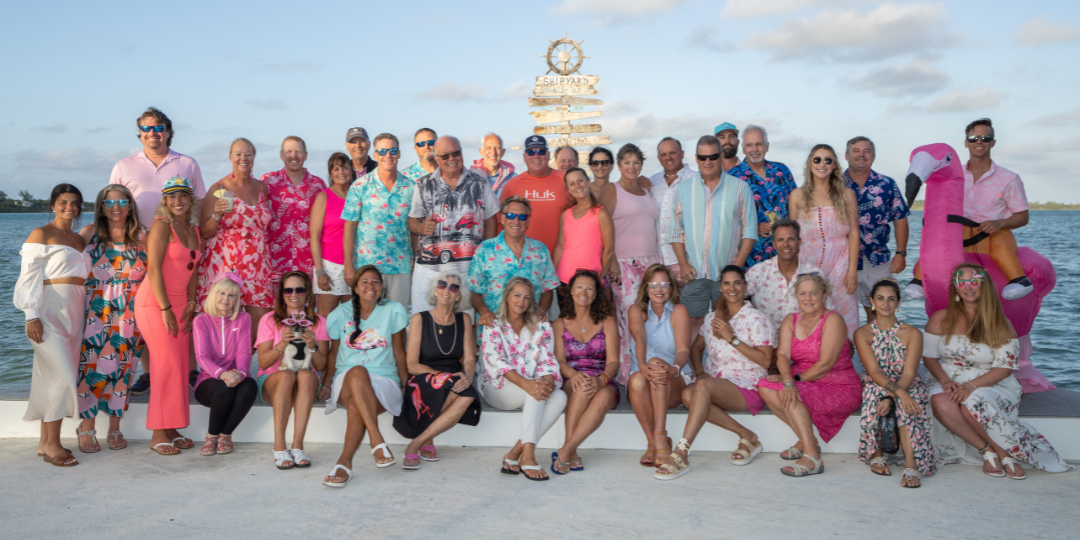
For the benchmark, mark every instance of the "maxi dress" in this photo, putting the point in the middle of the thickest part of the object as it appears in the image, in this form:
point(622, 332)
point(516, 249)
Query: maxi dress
point(825, 245)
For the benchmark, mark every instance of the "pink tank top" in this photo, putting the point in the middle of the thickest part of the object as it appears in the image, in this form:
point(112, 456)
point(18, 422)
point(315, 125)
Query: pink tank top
point(333, 232)
point(635, 225)
point(582, 244)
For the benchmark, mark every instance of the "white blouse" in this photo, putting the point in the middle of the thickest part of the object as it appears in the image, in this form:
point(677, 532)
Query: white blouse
point(41, 262)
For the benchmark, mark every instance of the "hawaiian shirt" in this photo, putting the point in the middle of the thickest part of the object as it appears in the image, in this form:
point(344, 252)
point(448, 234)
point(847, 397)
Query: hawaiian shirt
point(289, 235)
point(661, 192)
point(494, 264)
point(773, 295)
point(880, 203)
point(382, 228)
point(998, 194)
point(502, 350)
point(723, 360)
point(414, 172)
point(460, 213)
point(771, 196)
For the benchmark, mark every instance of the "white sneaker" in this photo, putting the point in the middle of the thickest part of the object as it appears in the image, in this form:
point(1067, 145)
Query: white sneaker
point(1016, 291)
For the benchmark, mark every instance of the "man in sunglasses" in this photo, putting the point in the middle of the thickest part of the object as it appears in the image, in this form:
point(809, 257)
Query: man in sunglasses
point(545, 190)
point(452, 211)
point(880, 203)
point(772, 184)
point(376, 226)
point(491, 164)
point(670, 154)
point(424, 144)
point(768, 285)
point(358, 144)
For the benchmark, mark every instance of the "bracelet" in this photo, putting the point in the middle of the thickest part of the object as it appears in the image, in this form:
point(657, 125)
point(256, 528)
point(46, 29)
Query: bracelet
point(973, 387)
point(311, 349)
point(28, 321)
point(215, 217)
point(166, 308)
point(192, 302)
point(607, 379)
point(320, 273)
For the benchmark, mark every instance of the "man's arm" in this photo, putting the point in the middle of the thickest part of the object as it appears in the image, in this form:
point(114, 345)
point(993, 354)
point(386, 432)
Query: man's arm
point(745, 246)
point(899, 262)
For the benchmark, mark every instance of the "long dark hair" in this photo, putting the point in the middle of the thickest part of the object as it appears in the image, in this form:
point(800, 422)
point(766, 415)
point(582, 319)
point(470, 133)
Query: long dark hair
point(601, 307)
point(356, 297)
point(61, 189)
point(309, 299)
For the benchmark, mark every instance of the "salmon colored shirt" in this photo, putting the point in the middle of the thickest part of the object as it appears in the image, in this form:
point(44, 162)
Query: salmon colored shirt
point(548, 197)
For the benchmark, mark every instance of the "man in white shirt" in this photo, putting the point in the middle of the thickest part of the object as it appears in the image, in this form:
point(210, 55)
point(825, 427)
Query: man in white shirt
point(670, 154)
point(769, 283)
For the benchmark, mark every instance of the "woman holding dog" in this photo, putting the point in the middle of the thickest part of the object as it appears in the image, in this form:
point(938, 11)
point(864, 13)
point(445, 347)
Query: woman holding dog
point(284, 389)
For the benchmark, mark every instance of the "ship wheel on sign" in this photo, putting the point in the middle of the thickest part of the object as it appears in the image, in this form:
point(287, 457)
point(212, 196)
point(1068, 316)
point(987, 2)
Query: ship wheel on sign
point(564, 56)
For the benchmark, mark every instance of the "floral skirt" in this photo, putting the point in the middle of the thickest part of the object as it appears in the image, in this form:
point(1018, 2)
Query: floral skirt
point(625, 292)
point(918, 426)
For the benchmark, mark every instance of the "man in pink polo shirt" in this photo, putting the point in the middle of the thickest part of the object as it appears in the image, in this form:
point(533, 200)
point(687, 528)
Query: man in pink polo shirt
point(994, 197)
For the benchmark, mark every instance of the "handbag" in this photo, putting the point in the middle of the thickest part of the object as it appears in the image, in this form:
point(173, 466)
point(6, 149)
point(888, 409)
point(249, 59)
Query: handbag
point(887, 433)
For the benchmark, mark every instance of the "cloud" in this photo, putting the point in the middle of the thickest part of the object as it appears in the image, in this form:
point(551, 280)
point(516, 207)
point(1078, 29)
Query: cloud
point(793, 143)
point(518, 90)
point(961, 99)
point(749, 9)
point(914, 78)
point(475, 92)
point(649, 126)
point(55, 128)
point(615, 11)
point(297, 66)
point(1042, 30)
point(1057, 120)
point(267, 104)
point(708, 38)
point(854, 35)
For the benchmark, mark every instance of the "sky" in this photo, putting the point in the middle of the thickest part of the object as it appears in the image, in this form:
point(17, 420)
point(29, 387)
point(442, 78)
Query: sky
point(903, 73)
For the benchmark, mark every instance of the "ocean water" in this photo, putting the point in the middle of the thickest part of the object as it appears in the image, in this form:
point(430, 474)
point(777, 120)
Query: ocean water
point(1052, 233)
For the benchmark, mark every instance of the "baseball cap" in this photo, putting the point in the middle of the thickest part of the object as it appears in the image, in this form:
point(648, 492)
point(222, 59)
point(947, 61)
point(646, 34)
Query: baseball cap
point(356, 132)
point(724, 127)
point(536, 141)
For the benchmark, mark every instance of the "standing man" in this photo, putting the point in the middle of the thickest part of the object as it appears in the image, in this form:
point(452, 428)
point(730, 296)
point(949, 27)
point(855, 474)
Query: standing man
point(728, 135)
point(670, 154)
point(424, 144)
point(452, 211)
point(545, 190)
point(769, 284)
point(357, 143)
point(378, 205)
point(880, 203)
point(144, 174)
point(566, 158)
point(772, 185)
point(292, 193)
point(491, 164)
point(712, 225)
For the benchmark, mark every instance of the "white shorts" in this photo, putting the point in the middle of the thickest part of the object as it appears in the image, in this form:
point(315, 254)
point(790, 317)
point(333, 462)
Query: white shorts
point(386, 390)
point(868, 276)
point(336, 273)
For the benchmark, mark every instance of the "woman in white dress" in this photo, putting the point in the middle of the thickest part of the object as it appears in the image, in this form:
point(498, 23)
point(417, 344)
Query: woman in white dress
point(971, 349)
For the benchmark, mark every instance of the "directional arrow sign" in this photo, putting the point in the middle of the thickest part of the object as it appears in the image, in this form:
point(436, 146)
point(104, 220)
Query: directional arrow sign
point(548, 117)
point(566, 100)
point(568, 80)
point(569, 90)
point(579, 141)
point(580, 128)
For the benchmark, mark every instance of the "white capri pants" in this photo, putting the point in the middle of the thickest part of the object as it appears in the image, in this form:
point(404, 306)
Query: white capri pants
point(537, 417)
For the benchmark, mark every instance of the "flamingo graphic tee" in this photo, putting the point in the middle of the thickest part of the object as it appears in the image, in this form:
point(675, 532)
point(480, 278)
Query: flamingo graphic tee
point(460, 213)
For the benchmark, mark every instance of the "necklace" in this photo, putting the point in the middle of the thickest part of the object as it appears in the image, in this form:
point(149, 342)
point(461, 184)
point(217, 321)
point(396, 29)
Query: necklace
point(436, 335)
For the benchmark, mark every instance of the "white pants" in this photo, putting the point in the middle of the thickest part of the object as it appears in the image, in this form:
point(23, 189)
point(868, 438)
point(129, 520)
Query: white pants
point(537, 417)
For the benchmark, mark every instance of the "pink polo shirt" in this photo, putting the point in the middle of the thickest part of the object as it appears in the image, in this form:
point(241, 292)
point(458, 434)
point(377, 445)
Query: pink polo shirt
point(137, 173)
point(997, 195)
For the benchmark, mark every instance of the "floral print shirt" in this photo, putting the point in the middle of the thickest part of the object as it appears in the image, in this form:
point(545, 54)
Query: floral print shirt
point(289, 236)
point(502, 350)
point(414, 172)
point(382, 228)
point(722, 360)
point(773, 295)
point(880, 203)
point(771, 196)
point(494, 264)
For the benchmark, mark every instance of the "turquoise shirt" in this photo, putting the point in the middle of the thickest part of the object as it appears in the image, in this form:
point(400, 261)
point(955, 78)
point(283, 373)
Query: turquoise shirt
point(382, 228)
point(373, 348)
point(494, 264)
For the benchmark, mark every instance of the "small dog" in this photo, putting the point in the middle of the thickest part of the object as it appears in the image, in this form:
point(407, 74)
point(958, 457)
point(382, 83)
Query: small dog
point(297, 356)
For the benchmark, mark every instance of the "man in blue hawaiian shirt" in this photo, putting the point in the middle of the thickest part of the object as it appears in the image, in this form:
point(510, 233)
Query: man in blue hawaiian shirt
point(880, 203)
point(424, 144)
point(771, 183)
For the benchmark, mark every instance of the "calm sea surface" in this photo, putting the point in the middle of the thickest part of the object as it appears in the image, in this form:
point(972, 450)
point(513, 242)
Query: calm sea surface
point(1052, 233)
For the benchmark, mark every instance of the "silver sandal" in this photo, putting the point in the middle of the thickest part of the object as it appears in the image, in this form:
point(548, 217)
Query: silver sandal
point(799, 471)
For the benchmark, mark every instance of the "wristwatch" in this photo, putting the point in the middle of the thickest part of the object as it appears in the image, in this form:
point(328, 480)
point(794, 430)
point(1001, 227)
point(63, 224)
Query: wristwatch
point(735, 342)
point(902, 253)
point(797, 378)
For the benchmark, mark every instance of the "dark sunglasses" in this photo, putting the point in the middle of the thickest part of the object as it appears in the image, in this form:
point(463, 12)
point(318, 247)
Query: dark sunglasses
point(710, 157)
point(422, 144)
point(383, 151)
point(977, 138)
point(536, 152)
point(288, 291)
point(191, 264)
point(449, 155)
point(600, 163)
point(109, 203)
point(157, 129)
point(519, 217)
point(442, 284)
point(828, 160)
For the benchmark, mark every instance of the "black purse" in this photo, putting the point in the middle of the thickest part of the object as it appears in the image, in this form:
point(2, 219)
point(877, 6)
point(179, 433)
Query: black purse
point(888, 435)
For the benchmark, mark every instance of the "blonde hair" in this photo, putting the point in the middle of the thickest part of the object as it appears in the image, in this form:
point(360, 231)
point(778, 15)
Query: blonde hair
point(247, 142)
point(531, 315)
point(989, 325)
point(837, 187)
point(209, 306)
point(819, 280)
point(162, 210)
point(643, 288)
point(287, 139)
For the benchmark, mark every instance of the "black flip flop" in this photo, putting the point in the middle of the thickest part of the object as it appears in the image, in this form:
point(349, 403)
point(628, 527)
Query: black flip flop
point(507, 464)
point(534, 468)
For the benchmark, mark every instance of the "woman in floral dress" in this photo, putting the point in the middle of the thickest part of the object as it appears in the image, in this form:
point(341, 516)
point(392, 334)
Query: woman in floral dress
point(890, 352)
point(971, 349)
point(236, 238)
point(112, 346)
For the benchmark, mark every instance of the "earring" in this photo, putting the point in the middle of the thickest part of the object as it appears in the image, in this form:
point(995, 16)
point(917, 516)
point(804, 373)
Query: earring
point(958, 298)
point(873, 307)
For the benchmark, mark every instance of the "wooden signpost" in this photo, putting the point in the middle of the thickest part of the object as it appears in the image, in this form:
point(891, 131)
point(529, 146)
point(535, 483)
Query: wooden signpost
point(554, 130)
point(579, 141)
point(548, 117)
point(566, 100)
point(564, 58)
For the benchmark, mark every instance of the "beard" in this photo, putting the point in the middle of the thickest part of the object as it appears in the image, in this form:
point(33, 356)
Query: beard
point(729, 152)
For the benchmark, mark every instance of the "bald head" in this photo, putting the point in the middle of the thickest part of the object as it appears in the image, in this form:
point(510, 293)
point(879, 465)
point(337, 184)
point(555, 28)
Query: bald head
point(448, 156)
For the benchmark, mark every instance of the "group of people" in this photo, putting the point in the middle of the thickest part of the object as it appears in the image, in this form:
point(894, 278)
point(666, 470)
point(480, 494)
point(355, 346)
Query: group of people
point(425, 290)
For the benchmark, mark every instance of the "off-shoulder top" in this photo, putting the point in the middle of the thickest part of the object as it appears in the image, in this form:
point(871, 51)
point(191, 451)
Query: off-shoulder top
point(41, 262)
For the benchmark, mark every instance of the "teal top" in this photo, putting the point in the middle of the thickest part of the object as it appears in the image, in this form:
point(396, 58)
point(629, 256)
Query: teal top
point(373, 348)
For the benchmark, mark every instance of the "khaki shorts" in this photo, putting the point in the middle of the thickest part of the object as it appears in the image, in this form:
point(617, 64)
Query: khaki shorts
point(868, 276)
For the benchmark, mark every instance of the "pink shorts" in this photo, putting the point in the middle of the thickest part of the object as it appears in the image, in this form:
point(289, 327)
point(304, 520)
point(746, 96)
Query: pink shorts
point(753, 400)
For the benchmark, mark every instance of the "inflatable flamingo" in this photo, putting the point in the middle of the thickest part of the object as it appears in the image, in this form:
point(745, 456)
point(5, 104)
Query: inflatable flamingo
point(942, 249)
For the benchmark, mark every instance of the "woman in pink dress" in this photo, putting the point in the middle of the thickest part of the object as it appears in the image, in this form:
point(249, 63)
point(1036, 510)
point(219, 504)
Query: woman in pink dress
point(828, 213)
point(292, 197)
point(817, 385)
point(236, 237)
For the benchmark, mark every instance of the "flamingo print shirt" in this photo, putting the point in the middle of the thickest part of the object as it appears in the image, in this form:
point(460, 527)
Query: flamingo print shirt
point(494, 264)
point(382, 222)
point(460, 213)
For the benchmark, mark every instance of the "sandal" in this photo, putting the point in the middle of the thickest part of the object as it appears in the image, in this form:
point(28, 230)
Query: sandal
point(791, 454)
point(507, 463)
point(580, 464)
point(112, 439)
point(989, 455)
point(332, 474)
point(908, 476)
point(798, 470)
point(649, 457)
point(386, 452)
point(157, 448)
point(534, 468)
point(412, 462)
point(90, 433)
point(209, 447)
point(62, 460)
point(1010, 462)
point(746, 456)
point(299, 457)
point(880, 461)
point(281, 457)
point(556, 463)
point(674, 469)
point(429, 448)
point(225, 445)
point(184, 443)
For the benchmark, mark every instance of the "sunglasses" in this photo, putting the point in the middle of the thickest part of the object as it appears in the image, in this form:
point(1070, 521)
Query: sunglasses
point(973, 283)
point(536, 152)
point(601, 163)
point(449, 155)
point(442, 284)
point(710, 157)
point(659, 285)
point(383, 151)
point(828, 160)
point(191, 264)
point(109, 203)
point(156, 129)
point(289, 291)
point(814, 273)
point(422, 144)
point(977, 138)
point(519, 217)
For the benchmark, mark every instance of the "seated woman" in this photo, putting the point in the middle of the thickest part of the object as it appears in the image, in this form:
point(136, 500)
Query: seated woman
point(518, 349)
point(971, 349)
point(587, 347)
point(222, 338)
point(367, 365)
point(442, 361)
point(661, 348)
point(817, 384)
point(890, 351)
point(730, 355)
point(292, 321)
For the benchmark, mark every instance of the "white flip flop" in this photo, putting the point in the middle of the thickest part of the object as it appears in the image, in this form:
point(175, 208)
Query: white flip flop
point(1010, 462)
point(992, 457)
point(387, 449)
point(328, 483)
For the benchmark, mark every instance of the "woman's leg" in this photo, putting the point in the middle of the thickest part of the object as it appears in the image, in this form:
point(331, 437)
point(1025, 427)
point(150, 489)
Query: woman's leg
point(711, 399)
point(88, 443)
point(50, 434)
point(453, 409)
point(362, 396)
point(354, 434)
point(508, 398)
point(662, 398)
point(591, 418)
point(798, 419)
point(641, 400)
point(216, 395)
point(952, 416)
point(244, 398)
point(909, 457)
point(278, 392)
point(307, 385)
point(982, 433)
